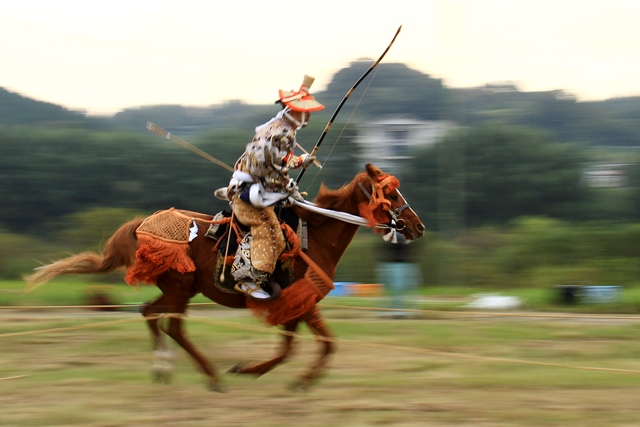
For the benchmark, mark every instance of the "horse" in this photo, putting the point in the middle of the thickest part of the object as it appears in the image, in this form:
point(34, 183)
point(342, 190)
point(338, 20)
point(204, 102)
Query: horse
point(372, 195)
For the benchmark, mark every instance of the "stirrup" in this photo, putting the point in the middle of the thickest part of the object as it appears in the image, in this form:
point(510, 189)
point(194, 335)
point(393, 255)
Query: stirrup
point(252, 290)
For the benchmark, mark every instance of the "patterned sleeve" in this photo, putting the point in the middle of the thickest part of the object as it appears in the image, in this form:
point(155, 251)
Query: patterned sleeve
point(268, 155)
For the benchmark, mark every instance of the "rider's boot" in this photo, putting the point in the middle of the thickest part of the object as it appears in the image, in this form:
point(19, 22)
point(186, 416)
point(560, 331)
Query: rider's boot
point(251, 281)
point(252, 290)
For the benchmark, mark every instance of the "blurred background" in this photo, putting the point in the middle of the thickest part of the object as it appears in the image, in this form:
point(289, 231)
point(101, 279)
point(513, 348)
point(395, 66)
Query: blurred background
point(512, 126)
point(518, 186)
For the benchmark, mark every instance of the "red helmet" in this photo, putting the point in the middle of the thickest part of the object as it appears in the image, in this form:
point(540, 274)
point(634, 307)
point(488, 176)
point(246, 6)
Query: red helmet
point(301, 100)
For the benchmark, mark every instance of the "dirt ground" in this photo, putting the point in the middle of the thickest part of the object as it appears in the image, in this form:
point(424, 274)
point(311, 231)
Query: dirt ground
point(100, 377)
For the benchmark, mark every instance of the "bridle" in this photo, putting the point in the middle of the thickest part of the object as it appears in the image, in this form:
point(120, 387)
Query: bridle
point(377, 199)
point(395, 213)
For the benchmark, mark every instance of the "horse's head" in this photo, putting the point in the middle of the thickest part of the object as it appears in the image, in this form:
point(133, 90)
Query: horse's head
point(386, 205)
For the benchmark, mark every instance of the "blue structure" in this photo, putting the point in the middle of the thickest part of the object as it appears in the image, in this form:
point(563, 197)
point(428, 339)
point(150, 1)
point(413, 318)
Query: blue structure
point(398, 274)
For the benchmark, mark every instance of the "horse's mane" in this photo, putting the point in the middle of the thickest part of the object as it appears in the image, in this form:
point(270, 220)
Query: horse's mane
point(342, 199)
point(373, 207)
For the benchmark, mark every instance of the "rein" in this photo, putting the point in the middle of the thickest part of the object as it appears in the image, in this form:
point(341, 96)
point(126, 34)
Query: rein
point(391, 236)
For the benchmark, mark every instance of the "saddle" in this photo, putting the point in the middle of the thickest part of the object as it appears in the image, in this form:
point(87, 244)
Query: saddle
point(227, 242)
point(163, 244)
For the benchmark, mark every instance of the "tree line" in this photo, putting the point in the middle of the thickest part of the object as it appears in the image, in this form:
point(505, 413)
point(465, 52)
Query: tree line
point(394, 89)
point(503, 206)
point(492, 175)
point(48, 174)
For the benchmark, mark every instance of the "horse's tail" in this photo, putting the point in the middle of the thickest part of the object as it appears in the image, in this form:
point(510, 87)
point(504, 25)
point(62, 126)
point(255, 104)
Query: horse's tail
point(119, 252)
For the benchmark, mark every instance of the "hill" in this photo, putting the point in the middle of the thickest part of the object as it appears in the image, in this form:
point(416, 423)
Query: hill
point(16, 109)
point(393, 88)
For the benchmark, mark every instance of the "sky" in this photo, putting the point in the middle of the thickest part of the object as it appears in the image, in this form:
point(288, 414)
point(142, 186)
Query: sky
point(103, 57)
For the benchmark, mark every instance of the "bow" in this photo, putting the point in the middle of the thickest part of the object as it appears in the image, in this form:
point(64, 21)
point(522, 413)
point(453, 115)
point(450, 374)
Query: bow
point(335, 113)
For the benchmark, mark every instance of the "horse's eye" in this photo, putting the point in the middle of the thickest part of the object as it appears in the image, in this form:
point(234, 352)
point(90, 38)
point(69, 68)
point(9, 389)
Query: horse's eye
point(393, 197)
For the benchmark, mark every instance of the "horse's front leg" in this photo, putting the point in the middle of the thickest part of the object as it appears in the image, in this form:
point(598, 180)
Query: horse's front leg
point(173, 303)
point(262, 368)
point(316, 324)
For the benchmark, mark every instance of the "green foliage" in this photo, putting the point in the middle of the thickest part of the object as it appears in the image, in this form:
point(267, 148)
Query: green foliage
point(543, 252)
point(20, 253)
point(16, 109)
point(193, 121)
point(393, 89)
point(90, 229)
point(490, 175)
point(359, 261)
point(606, 123)
point(48, 174)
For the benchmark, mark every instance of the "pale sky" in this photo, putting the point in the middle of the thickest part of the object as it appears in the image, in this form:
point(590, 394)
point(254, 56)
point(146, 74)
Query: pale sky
point(104, 56)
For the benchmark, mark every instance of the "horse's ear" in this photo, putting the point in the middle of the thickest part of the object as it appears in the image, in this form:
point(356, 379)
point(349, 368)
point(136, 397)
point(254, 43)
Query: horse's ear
point(373, 171)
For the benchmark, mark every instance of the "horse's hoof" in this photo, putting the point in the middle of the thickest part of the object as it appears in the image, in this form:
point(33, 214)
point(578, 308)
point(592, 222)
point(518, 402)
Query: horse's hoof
point(299, 385)
point(217, 387)
point(160, 377)
point(237, 368)
point(241, 368)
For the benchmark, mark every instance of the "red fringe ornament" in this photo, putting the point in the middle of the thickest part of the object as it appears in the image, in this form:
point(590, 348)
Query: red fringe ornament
point(155, 257)
point(294, 301)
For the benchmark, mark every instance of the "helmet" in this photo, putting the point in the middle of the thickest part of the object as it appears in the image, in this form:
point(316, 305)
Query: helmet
point(300, 100)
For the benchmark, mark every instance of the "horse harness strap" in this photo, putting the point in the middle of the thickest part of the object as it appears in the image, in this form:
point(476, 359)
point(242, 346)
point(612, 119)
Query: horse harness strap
point(377, 196)
point(395, 213)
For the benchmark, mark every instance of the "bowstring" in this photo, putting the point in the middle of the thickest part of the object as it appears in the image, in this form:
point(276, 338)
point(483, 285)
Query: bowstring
point(317, 173)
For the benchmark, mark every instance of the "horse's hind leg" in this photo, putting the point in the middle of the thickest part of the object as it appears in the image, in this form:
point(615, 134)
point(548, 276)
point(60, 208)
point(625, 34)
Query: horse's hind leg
point(162, 366)
point(176, 332)
point(176, 309)
point(316, 324)
point(262, 368)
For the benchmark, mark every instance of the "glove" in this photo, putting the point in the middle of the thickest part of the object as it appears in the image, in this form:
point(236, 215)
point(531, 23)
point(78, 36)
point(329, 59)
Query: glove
point(305, 160)
point(292, 185)
point(292, 189)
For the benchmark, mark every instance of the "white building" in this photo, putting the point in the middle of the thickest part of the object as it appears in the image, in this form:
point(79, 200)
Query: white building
point(606, 176)
point(389, 142)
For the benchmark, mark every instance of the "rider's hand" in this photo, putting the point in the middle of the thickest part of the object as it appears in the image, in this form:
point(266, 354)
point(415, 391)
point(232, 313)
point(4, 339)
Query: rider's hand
point(292, 189)
point(292, 185)
point(306, 159)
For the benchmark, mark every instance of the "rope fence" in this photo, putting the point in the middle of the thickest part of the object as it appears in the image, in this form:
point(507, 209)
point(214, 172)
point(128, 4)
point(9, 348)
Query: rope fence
point(440, 313)
point(427, 351)
point(15, 377)
point(400, 348)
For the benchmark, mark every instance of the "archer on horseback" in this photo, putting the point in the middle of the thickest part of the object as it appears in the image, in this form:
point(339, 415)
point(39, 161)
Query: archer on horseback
point(260, 180)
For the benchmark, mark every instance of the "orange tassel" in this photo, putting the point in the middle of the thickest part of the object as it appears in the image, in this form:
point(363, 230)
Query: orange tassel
point(155, 257)
point(294, 301)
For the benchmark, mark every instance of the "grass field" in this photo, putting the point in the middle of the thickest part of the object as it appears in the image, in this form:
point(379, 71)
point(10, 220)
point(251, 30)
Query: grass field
point(438, 367)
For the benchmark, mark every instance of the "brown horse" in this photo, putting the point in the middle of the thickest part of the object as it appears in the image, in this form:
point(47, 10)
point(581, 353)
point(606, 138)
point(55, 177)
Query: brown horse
point(372, 195)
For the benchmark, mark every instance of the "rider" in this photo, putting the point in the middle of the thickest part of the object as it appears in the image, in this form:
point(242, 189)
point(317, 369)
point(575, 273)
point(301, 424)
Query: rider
point(260, 180)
